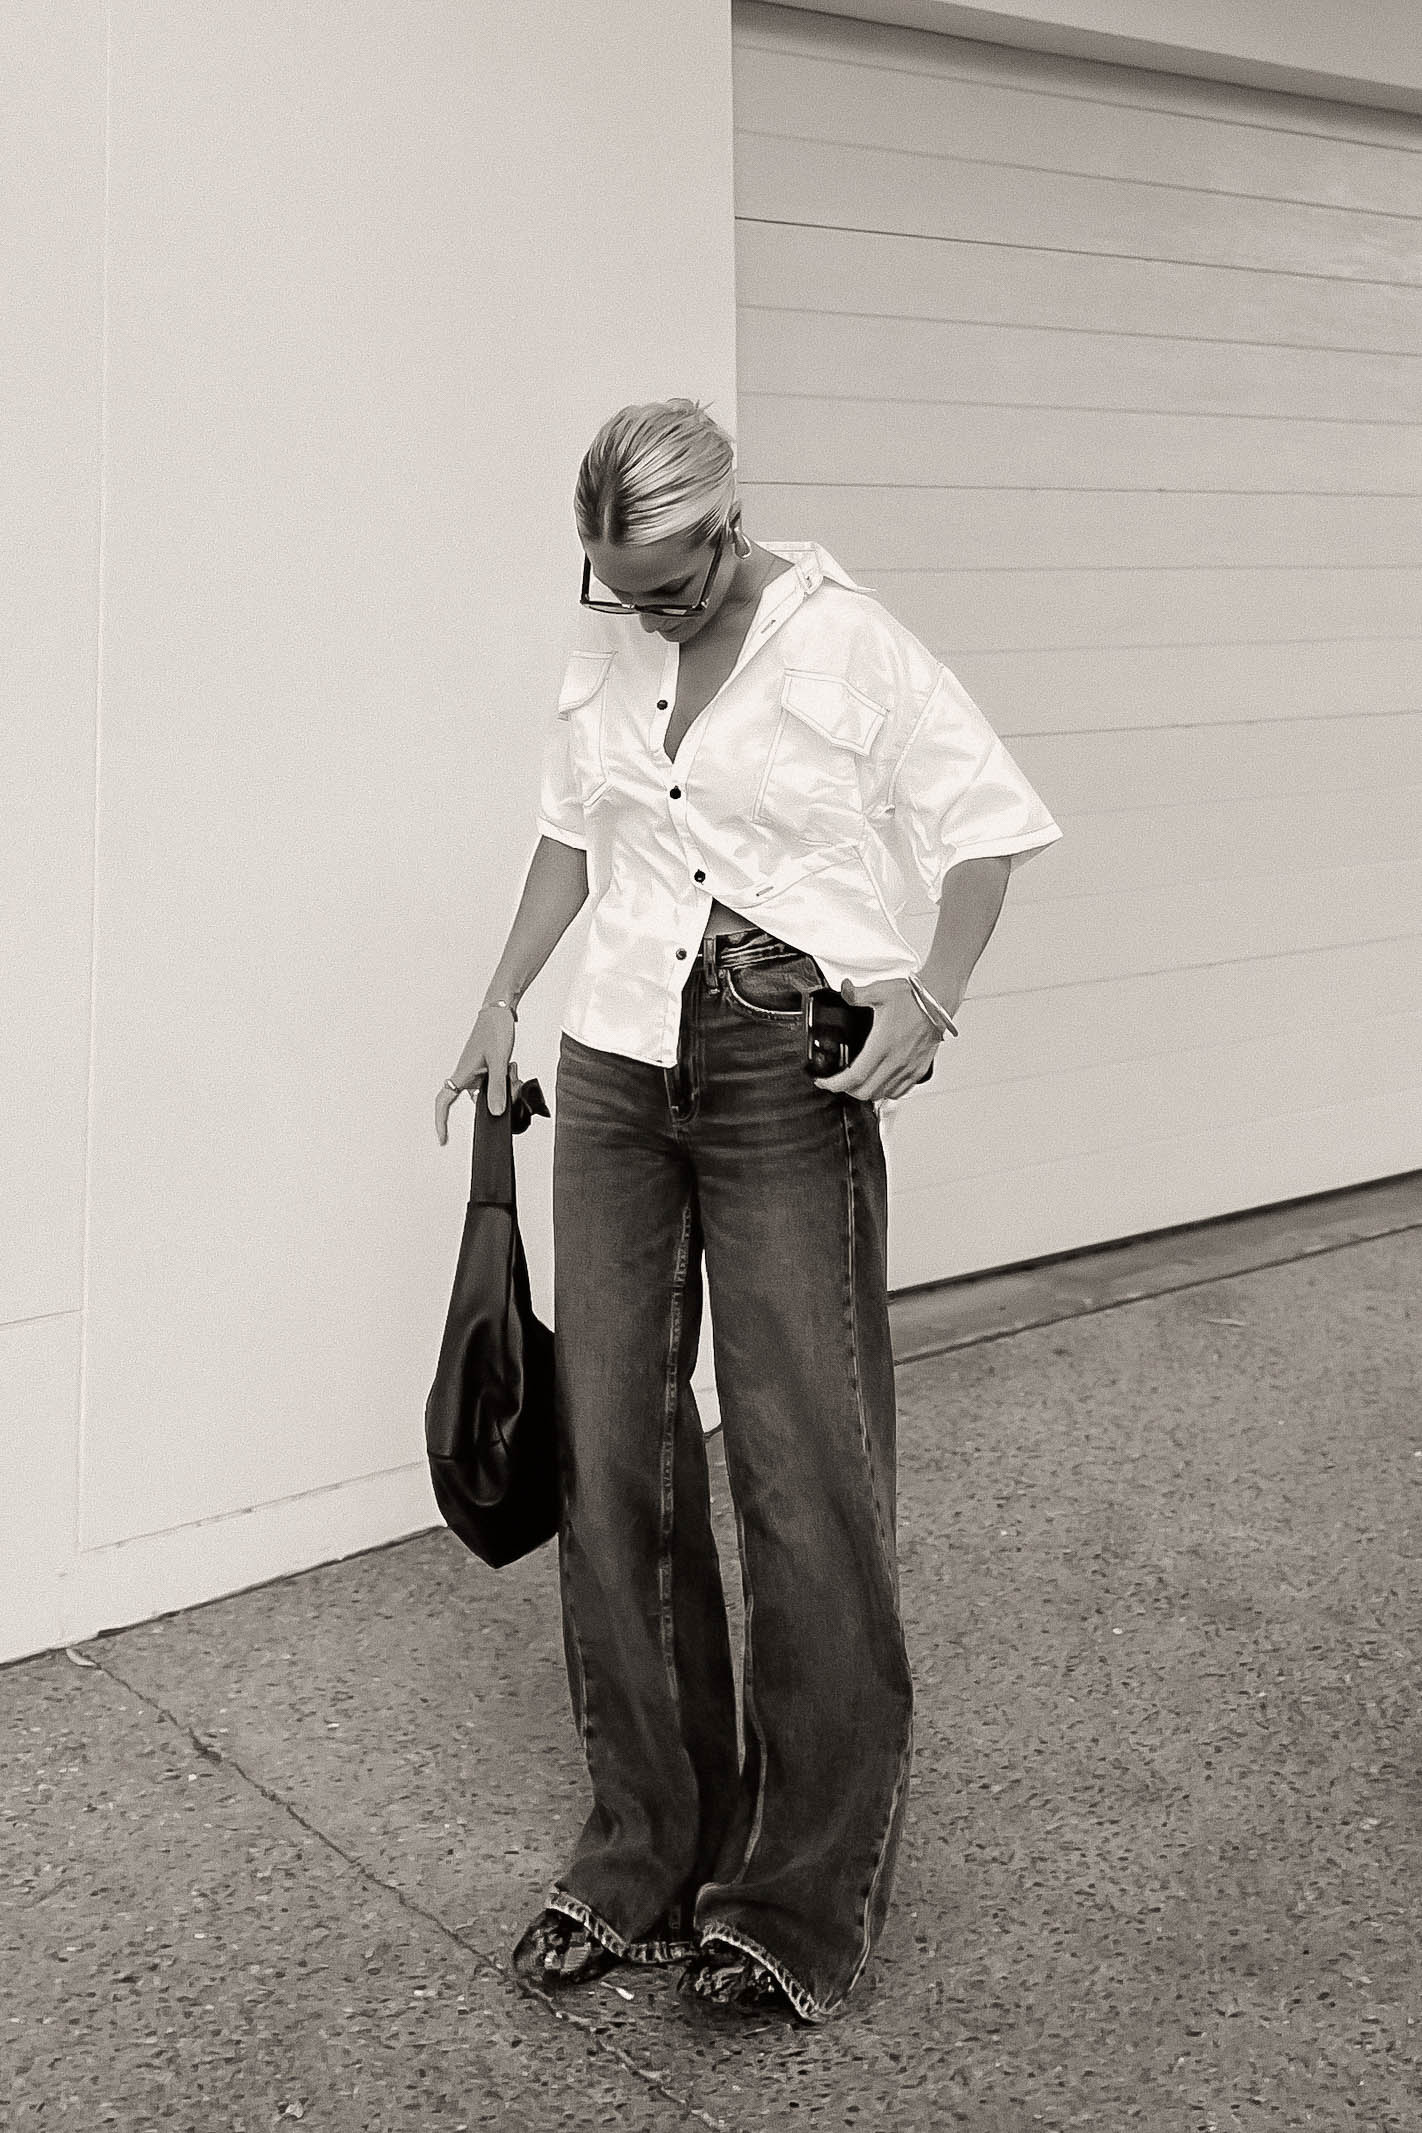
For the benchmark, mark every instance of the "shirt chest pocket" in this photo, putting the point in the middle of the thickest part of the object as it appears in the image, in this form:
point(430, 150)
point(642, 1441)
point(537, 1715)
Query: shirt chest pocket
point(810, 781)
point(582, 703)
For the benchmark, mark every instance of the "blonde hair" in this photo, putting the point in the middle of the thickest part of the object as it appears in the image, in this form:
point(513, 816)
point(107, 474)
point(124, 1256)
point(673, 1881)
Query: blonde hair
point(654, 469)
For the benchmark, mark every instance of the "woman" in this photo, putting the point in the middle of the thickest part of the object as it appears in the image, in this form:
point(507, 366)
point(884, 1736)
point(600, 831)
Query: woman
point(749, 756)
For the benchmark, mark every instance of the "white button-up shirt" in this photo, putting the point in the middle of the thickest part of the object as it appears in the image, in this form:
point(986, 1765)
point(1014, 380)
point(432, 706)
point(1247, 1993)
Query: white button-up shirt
point(838, 760)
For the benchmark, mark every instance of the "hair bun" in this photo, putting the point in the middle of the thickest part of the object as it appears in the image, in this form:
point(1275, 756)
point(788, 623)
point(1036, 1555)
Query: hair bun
point(655, 468)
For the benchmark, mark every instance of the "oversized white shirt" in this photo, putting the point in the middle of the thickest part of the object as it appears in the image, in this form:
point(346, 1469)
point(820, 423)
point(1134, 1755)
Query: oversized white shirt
point(838, 759)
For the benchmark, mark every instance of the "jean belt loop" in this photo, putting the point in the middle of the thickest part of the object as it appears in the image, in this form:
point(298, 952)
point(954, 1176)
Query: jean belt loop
point(708, 962)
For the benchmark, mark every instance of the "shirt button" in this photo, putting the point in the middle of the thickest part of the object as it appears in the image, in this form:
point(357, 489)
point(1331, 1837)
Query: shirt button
point(681, 955)
point(661, 703)
point(676, 792)
point(700, 874)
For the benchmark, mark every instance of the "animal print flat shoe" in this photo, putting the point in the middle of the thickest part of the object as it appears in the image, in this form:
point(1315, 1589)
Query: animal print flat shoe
point(727, 1977)
point(556, 1951)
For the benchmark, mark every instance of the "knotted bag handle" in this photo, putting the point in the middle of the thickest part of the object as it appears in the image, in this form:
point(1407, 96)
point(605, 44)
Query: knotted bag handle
point(491, 1168)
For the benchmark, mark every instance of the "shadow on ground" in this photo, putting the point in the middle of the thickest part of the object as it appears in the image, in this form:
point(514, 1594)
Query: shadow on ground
point(265, 1859)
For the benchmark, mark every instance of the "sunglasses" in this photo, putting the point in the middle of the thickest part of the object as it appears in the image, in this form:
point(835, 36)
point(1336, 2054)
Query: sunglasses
point(652, 607)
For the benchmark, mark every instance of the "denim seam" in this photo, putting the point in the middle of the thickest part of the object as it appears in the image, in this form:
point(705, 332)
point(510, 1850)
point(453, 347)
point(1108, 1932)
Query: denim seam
point(900, 1780)
point(752, 1717)
point(573, 1907)
point(749, 1007)
point(886, 1555)
point(628, 1951)
point(688, 1056)
point(803, 2003)
point(669, 1414)
point(582, 1710)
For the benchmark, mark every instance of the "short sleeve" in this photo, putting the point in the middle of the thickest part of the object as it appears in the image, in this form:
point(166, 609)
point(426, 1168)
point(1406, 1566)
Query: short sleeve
point(560, 811)
point(956, 793)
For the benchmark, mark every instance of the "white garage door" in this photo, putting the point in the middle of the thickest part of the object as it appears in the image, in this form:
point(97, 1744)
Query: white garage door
point(1110, 384)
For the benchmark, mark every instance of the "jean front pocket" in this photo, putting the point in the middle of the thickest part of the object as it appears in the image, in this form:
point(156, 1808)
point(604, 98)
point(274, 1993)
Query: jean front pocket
point(772, 992)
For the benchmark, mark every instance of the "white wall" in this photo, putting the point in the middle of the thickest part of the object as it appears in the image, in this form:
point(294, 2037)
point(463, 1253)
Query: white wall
point(313, 385)
point(1361, 51)
point(52, 118)
point(313, 305)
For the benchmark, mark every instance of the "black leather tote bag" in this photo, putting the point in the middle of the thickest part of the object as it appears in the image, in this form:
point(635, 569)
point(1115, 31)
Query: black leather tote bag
point(490, 1421)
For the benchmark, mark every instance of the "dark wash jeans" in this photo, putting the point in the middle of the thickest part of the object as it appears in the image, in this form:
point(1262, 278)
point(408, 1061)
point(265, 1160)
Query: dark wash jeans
point(735, 1157)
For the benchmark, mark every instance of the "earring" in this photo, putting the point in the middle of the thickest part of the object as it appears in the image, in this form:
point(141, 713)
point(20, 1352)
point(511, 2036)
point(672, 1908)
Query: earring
point(737, 538)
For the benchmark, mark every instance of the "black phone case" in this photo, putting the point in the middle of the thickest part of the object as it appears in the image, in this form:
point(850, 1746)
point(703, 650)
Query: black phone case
point(835, 1030)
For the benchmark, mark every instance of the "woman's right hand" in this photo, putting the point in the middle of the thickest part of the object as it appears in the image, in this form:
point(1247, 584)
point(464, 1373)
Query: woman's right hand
point(488, 1056)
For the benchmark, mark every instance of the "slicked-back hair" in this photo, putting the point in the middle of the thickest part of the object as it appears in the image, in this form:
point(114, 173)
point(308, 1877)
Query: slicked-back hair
point(657, 468)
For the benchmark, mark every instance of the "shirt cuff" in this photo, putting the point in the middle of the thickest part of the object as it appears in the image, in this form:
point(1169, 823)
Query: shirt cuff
point(560, 836)
point(1015, 848)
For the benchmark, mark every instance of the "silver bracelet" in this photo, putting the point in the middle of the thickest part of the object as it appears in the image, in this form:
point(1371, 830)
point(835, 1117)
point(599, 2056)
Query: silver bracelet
point(501, 1003)
point(939, 1016)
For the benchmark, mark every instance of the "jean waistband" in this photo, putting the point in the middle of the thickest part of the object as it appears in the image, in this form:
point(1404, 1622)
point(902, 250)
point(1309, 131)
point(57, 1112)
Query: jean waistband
point(722, 951)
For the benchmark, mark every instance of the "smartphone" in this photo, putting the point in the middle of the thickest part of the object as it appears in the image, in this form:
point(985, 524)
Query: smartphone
point(835, 1030)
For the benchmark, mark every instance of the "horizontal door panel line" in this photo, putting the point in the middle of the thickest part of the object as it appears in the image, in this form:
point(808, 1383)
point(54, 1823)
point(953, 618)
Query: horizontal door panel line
point(1305, 566)
point(1177, 413)
point(943, 1098)
point(1219, 962)
point(1179, 883)
point(1026, 735)
point(1072, 251)
point(1045, 84)
point(1367, 178)
point(890, 489)
point(1167, 1140)
point(961, 649)
point(1256, 800)
point(1090, 333)
point(1054, 170)
point(980, 637)
point(1119, 570)
point(777, 239)
point(1055, 488)
point(1167, 644)
point(1345, 1044)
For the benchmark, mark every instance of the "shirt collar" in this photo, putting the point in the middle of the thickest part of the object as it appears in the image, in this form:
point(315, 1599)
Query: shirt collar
point(812, 565)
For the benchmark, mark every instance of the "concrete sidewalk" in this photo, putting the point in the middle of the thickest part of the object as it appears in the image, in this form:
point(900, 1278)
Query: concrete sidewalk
point(263, 1861)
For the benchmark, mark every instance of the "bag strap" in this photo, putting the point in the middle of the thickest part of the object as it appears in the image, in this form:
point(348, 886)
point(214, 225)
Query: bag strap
point(491, 1170)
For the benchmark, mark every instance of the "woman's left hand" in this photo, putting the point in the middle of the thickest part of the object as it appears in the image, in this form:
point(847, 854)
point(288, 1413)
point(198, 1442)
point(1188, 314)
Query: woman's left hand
point(898, 1050)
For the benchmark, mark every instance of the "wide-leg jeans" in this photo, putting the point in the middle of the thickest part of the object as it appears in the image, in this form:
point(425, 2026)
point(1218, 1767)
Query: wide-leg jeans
point(733, 1159)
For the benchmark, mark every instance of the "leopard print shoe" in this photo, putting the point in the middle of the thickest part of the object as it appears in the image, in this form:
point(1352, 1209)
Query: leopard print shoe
point(556, 1951)
point(727, 1977)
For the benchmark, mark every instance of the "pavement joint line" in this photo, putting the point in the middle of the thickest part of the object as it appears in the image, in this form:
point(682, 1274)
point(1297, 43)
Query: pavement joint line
point(1164, 1288)
point(643, 2073)
point(600, 2043)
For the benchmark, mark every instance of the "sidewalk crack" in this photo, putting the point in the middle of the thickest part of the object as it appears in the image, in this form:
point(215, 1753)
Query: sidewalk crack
point(209, 1749)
